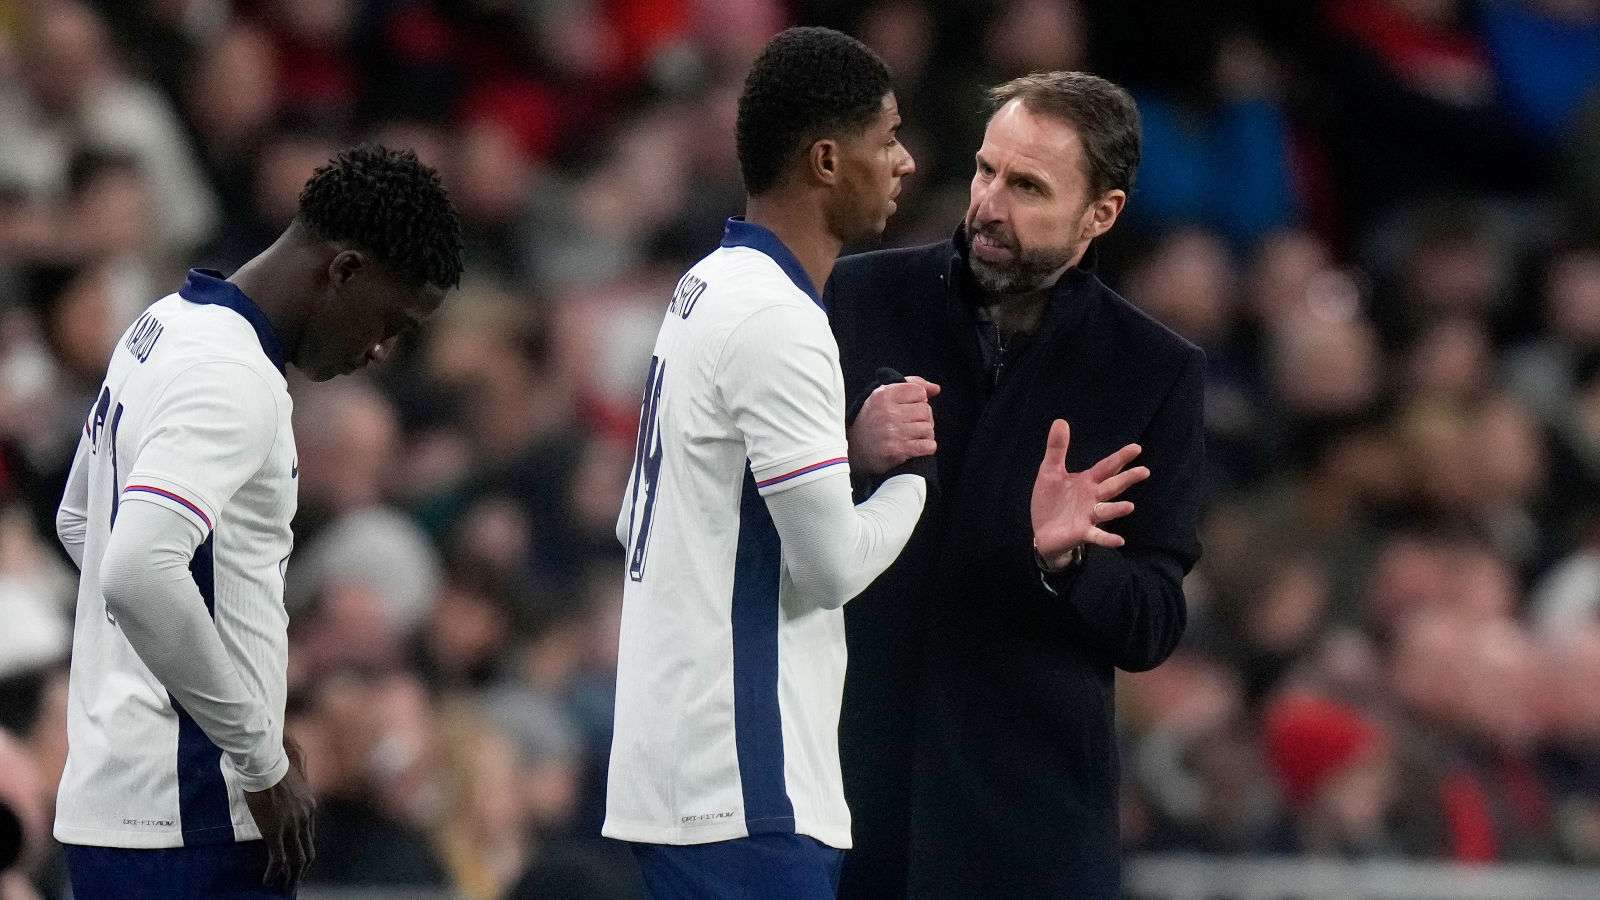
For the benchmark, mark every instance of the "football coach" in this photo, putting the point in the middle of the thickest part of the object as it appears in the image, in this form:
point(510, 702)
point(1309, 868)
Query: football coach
point(978, 736)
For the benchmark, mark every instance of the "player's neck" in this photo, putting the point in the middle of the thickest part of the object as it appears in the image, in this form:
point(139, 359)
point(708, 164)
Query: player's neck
point(279, 298)
point(802, 229)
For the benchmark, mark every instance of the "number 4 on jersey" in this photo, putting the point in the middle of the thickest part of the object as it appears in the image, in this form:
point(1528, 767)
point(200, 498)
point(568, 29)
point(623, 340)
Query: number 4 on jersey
point(93, 429)
point(646, 470)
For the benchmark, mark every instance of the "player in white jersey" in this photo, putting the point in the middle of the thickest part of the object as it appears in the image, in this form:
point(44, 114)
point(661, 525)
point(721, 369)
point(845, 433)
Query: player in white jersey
point(177, 511)
point(742, 540)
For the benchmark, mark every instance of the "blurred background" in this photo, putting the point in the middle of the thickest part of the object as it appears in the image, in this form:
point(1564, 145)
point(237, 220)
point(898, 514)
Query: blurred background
point(1378, 217)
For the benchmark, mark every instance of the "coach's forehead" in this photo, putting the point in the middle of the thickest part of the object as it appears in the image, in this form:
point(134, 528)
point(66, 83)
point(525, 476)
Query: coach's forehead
point(1044, 144)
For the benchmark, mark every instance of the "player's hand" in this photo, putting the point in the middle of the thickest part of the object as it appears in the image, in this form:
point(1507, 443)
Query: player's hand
point(286, 815)
point(894, 425)
point(1070, 507)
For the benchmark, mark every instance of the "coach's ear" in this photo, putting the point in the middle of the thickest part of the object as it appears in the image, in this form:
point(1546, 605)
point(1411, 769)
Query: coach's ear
point(823, 161)
point(1102, 214)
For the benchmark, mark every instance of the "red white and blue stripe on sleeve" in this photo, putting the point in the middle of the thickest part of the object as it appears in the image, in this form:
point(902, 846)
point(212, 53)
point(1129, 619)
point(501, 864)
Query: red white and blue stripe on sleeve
point(180, 500)
point(804, 470)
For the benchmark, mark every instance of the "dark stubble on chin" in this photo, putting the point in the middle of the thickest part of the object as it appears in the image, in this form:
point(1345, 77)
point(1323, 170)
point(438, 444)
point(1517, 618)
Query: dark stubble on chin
point(1031, 270)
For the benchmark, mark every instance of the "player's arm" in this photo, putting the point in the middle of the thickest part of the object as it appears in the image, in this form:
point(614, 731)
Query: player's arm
point(834, 549)
point(208, 431)
point(72, 516)
point(148, 587)
point(778, 377)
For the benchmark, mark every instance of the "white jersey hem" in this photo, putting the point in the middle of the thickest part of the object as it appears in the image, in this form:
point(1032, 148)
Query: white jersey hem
point(836, 836)
point(126, 840)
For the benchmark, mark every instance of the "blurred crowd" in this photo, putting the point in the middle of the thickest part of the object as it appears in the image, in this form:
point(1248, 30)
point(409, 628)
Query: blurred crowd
point(1378, 217)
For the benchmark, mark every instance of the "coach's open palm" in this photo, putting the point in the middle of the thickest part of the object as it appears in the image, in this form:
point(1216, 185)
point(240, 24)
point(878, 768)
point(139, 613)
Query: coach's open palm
point(1070, 507)
point(286, 815)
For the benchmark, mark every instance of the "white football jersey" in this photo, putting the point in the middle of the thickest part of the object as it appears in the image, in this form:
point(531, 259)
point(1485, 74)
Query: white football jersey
point(729, 680)
point(194, 415)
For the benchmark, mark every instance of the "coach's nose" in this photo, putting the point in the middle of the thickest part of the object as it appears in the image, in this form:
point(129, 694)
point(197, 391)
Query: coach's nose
point(988, 205)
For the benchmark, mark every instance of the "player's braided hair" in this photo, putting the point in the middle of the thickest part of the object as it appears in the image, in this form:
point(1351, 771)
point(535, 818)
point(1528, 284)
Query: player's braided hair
point(390, 204)
point(807, 84)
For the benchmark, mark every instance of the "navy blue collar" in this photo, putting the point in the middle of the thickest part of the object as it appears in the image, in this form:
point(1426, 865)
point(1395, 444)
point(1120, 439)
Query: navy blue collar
point(739, 233)
point(208, 286)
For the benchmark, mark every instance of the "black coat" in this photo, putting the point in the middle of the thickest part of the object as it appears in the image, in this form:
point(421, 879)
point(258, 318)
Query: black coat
point(978, 735)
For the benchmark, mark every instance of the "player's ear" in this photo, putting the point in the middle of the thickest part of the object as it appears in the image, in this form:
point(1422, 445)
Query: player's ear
point(344, 266)
point(823, 161)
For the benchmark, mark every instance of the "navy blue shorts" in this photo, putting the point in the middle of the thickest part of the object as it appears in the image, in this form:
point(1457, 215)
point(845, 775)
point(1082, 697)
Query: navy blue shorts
point(759, 867)
point(223, 871)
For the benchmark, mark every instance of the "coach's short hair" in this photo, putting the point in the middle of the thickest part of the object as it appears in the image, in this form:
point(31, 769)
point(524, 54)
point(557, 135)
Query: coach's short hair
point(1104, 114)
point(808, 83)
point(390, 204)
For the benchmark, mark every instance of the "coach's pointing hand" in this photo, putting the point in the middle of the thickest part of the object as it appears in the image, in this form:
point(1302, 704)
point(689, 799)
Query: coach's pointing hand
point(895, 424)
point(1070, 507)
point(285, 813)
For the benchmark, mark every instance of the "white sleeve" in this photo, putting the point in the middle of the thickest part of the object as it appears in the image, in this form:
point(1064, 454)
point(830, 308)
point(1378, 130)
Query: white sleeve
point(779, 378)
point(72, 516)
point(208, 432)
point(833, 550)
point(144, 576)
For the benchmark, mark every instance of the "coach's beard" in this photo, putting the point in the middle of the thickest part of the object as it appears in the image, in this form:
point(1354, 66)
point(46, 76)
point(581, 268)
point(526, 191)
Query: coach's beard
point(1026, 272)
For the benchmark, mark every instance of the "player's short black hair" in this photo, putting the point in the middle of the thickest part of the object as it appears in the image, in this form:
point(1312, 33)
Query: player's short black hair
point(807, 84)
point(390, 204)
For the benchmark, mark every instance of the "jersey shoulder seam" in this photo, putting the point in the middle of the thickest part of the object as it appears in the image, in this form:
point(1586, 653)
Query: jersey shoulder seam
point(716, 367)
point(277, 419)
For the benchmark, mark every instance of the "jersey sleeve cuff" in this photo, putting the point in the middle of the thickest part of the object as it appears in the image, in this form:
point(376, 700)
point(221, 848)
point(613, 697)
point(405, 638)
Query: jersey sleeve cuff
point(174, 496)
point(773, 479)
point(268, 779)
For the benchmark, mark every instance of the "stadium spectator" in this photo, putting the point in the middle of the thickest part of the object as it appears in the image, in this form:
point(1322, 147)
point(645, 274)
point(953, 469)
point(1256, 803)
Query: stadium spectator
point(1336, 770)
point(74, 90)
